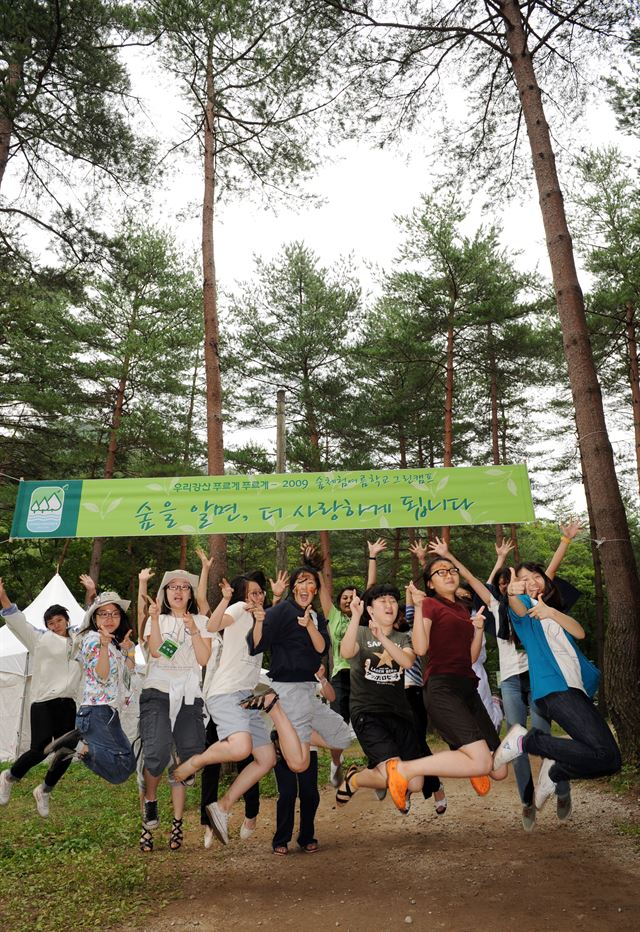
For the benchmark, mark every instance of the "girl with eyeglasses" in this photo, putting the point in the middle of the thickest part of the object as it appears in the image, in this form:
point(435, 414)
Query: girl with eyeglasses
point(171, 703)
point(54, 686)
point(105, 652)
point(444, 630)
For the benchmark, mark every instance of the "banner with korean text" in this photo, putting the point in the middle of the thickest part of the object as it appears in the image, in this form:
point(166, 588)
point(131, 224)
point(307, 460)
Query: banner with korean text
point(377, 498)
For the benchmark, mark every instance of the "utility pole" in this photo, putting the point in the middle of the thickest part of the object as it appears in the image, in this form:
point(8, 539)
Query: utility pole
point(281, 465)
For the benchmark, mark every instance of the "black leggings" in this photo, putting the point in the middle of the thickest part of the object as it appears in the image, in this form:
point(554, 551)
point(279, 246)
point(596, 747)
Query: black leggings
point(49, 720)
point(211, 779)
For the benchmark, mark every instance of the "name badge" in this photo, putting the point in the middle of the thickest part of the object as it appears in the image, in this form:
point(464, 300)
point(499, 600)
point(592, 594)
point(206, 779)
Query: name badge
point(168, 648)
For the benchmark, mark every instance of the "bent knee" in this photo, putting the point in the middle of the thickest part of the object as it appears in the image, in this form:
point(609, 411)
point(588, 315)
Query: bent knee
point(240, 744)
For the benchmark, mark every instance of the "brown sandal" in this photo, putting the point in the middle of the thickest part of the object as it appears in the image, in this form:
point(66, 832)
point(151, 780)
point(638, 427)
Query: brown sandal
point(281, 850)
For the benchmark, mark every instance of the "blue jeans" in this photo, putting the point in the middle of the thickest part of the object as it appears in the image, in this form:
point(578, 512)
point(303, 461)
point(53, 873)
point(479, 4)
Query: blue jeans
point(591, 750)
point(110, 754)
point(518, 704)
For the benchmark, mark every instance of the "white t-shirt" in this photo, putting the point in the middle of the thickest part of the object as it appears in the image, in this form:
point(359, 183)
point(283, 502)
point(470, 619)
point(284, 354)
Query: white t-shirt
point(512, 661)
point(237, 668)
point(563, 652)
point(161, 670)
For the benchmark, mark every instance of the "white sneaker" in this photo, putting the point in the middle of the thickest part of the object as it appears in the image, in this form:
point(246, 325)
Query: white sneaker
point(219, 822)
point(545, 787)
point(208, 836)
point(563, 807)
point(246, 831)
point(509, 748)
point(336, 774)
point(6, 786)
point(42, 801)
point(529, 818)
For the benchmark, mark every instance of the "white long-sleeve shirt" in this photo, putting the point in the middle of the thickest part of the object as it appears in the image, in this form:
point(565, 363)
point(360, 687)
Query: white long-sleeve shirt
point(56, 674)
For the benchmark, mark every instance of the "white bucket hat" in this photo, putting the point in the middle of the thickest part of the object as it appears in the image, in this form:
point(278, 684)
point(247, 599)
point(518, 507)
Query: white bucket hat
point(105, 598)
point(191, 578)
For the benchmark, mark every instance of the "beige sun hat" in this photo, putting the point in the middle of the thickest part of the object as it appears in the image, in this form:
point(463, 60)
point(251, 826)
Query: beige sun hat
point(191, 578)
point(105, 598)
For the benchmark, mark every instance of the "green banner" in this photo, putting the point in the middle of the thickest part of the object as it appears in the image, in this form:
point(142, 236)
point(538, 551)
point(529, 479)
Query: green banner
point(384, 498)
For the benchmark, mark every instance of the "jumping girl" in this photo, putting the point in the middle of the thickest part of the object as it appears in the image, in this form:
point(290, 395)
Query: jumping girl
point(171, 703)
point(106, 654)
point(563, 683)
point(55, 684)
point(443, 626)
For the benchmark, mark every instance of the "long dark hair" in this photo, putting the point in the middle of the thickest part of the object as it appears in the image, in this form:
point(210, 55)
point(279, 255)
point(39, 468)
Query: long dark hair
point(240, 584)
point(426, 575)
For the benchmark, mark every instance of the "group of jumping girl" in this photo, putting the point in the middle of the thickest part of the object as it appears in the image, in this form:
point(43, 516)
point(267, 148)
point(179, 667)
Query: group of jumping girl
point(395, 673)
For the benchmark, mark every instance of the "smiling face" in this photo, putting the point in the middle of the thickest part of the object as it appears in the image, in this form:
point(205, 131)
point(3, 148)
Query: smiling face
point(304, 589)
point(254, 595)
point(107, 617)
point(178, 594)
point(533, 581)
point(383, 611)
point(444, 579)
point(59, 625)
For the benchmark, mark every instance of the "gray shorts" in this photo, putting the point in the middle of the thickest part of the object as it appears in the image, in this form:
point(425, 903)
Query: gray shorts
point(231, 718)
point(306, 712)
point(156, 734)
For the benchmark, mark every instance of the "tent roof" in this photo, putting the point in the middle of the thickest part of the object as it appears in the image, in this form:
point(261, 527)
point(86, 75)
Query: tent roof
point(56, 592)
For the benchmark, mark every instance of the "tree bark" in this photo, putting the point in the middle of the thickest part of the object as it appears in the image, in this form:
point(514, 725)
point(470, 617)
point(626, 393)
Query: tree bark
point(610, 520)
point(495, 431)
point(634, 379)
point(215, 441)
point(188, 433)
point(448, 413)
point(599, 596)
point(6, 122)
point(110, 462)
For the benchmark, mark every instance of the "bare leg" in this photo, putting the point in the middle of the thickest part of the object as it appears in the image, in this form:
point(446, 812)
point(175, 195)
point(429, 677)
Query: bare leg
point(471, 760)
point(236, 747)
point(295, 752)
point(151, 785)
point(376, 779)
point(264, 758)
point(178, 798)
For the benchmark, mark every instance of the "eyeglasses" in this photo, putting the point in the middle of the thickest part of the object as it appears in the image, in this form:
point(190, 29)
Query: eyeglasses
point(179, 588)
point(108, 614)
point(452, 571)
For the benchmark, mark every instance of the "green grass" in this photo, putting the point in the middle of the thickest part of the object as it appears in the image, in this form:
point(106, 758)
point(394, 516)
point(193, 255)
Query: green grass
point(81, 869)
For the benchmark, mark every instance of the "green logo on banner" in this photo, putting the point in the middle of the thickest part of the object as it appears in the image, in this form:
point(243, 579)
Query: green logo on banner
point(45, 509)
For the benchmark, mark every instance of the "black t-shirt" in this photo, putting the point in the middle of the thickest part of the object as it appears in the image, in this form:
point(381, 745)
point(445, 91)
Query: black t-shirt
point(377, 681)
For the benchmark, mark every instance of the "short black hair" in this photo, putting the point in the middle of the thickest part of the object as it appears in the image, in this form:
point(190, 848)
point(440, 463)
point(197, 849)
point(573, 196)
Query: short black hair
point(54, 610)
point(375, 592)
point(311, 570)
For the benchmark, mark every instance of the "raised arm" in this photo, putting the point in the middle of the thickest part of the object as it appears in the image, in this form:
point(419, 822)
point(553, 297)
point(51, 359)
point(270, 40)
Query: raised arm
point(569, 532)
point(440, 548)
point(154, 638)
point(203, 582)
point(311, 557)
point(143, 597)
point(421, 626)
point(375, 547)
point(502, 552)
point(89, 586)
point(419, 551)
point(16, 621)
point(218, 616)
point(349, 643)
point(278, 586)
point(478, 630)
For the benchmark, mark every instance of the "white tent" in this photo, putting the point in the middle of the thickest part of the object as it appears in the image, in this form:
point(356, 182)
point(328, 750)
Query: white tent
point(15, 672)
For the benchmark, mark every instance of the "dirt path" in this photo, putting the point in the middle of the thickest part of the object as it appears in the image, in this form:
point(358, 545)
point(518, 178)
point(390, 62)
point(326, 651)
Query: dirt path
point(472, 869)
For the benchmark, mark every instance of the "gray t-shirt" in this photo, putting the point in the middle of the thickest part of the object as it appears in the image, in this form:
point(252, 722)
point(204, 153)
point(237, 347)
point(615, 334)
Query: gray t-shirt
point(377, 681)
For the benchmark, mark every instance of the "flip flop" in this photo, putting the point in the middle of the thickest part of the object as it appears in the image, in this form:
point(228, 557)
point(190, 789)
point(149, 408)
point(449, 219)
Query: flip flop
point(281, 850)
point(311, 847)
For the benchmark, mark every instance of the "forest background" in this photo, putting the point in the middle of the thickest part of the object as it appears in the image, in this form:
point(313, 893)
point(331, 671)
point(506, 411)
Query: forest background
point(123, 355)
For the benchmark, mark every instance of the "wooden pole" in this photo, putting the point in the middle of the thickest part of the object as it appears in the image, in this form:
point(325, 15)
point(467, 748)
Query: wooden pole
point(281, 465)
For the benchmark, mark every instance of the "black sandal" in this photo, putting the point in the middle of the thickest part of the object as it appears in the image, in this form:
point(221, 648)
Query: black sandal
point(258, 702)
point(345, 790)
point(176, 837)
point(146, 841)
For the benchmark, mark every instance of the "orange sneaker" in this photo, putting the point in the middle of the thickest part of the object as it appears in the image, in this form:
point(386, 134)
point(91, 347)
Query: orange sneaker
point(481, 785)
point(397, 785)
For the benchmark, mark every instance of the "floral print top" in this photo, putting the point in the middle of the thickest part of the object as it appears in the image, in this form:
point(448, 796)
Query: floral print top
point(97, 691)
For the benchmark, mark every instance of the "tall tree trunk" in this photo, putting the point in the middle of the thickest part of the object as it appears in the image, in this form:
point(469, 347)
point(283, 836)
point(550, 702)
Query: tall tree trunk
point(610, 520)
point(495, 430)
point(215, 442)
point(110, 462)
point(634, 379)
point(188, 435)
point(599, 598)
point(6, 121)
point(448, 414)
